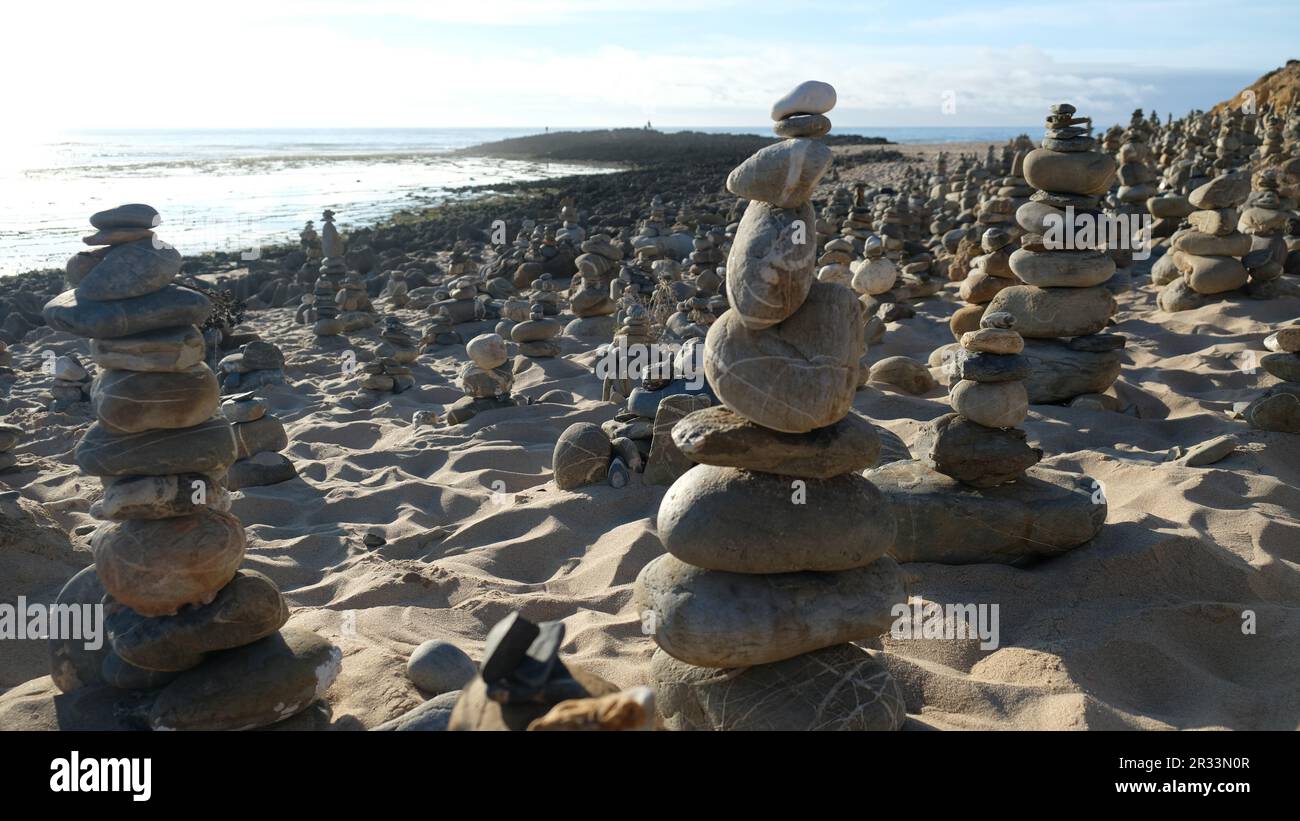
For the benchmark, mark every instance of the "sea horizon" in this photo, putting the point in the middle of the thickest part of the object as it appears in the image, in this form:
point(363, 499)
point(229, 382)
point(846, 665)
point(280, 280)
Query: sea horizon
point(226, 189)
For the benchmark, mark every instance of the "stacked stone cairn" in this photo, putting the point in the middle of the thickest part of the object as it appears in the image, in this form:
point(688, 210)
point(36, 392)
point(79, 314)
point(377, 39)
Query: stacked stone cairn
point(486, 379)
point(399, 342)
point(441, 330)
point(1264, 220)
point(1064, 303)
point(259, 437)
point(775, 543)
point(386, 375)
point(306, 313)
point(184, 624)
point(1208, 254)
point(591, 302)
point(990, 272)
point(254, 365)
point(71, 383)
point(536, 335)
point(332, 270)
point(1279, 408)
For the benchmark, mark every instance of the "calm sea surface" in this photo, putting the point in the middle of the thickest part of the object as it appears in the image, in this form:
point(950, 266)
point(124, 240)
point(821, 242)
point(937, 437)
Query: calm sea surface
point(227, 190)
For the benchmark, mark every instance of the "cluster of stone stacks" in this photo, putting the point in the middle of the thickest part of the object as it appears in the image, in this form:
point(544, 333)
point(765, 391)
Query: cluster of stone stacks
point(1064, 303)
point(259, 438)
point(183, 622)
point(1279, 408)
point(71, 383)
point(10, 435)
point(586, 455)
point(1208, 254)
point(536, 335)
point(486, 379)
point(775, 544)
point(254, 365)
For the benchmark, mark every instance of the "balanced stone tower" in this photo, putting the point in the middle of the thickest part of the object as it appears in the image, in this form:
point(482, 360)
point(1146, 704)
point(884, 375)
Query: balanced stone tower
point(1064, 303)
point(1208, 254)
point(1279, 407)
point(183, 621)
point(775, 544)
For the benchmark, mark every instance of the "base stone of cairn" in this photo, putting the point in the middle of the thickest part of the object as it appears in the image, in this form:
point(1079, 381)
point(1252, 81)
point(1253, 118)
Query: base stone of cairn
point(1279, 408)
point(197, 640)
point(974, 494)
point(769, 576)
point(1064, 304)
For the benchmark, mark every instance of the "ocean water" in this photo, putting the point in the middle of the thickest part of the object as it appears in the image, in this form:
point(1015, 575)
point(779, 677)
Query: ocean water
point(237, 189)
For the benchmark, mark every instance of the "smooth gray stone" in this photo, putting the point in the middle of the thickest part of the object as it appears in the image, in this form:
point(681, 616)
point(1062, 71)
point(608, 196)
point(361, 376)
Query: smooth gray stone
point(208, 448)
point(1044, 513)
point(260, 470)
point(741, 521)
point(249, 608)
point(72, 665)
point(666, 461)
point(130, 270)
point(1285, 366)
point(1278, 409)
point(720, 436)
point(440, 667)
point(841, 687)
point(581, 456)
point(433, 715)
point(768, 273)
point(250, 686)
point(990, 367)
point(974, 454)
point(264, 434)
point(712, 618)
point(1059, 373)
point(131, 215)
point(170, 307)
point(166, 349)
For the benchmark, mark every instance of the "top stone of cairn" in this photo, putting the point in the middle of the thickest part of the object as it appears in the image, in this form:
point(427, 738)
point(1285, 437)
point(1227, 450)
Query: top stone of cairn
point(133, 215)
point(809, 97)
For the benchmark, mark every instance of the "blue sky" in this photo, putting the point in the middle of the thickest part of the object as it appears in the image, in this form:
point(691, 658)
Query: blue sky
point(261, 63)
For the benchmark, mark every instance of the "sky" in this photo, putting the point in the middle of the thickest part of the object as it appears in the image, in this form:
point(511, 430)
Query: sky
point(604, 63)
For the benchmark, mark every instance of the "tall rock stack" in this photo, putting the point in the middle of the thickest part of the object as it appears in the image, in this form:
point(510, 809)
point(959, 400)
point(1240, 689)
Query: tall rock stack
point(181, 616)
point(775, 544)
point(1264, 220)
point(1208, 255)
point(1064, 304)
point(330, 282)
